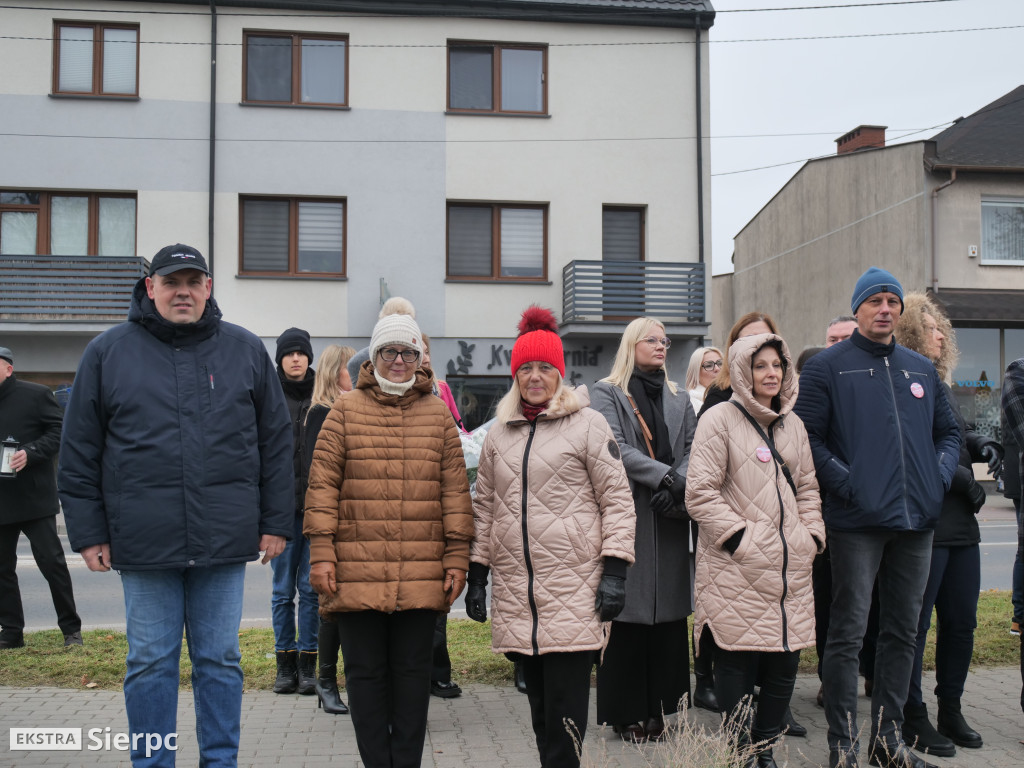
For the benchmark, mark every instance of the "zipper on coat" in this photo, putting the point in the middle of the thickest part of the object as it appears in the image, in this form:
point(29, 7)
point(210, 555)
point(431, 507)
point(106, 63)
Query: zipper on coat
point(899, 431)
point(526, 542)
point(785, 550)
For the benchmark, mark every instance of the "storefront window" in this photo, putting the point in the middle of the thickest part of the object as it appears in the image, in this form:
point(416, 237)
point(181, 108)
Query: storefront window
point(477, 397)
point(978, 378)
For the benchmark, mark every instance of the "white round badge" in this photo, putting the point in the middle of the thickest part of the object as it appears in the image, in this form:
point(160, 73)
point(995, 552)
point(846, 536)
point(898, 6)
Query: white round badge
point(917, 390)
point(763, 454)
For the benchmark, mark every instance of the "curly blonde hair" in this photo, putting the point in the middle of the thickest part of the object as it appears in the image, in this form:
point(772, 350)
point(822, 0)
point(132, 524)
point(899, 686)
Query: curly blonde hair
point(911, 333)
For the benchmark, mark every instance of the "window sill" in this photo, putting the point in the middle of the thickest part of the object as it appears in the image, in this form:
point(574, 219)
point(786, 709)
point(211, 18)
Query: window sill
point(468, 113)
point(494, 281)
point(318, 278)
point(93, 97)
point(277, 105)
point(1001, 263)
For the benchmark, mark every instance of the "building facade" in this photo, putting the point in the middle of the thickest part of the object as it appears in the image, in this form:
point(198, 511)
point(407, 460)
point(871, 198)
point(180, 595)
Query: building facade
point(473, 158)
point(944, 215)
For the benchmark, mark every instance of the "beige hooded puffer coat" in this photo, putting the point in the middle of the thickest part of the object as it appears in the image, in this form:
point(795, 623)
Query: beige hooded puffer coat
point(545, 542)
point(759, 598)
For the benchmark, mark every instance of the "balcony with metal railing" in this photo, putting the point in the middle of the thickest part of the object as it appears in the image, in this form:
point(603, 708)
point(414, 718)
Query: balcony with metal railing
point(601, 297)
point(67, 289)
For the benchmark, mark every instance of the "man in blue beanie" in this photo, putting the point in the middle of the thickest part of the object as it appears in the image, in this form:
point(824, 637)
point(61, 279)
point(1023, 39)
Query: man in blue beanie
point(885, 448)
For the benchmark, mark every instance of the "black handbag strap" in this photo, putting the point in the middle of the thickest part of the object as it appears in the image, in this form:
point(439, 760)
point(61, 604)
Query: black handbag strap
point(771, 446)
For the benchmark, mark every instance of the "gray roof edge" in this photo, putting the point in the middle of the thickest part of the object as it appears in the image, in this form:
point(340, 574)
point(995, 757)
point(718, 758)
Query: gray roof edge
point(652, 13)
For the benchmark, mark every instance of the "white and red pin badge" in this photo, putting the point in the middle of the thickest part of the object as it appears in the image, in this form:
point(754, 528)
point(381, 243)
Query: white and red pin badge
point(763, 454)
point(917, 390)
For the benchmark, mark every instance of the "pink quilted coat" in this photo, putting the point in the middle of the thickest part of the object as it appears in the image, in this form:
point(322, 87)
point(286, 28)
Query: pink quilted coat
point(760, 598)
point(545, 542)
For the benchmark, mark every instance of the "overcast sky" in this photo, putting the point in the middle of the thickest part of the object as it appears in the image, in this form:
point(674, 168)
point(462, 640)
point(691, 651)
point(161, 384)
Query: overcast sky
point(823, 88)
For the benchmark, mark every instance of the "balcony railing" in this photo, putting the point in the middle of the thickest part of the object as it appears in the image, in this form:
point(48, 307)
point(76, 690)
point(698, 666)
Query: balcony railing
point(601, 291)
point(91, 289)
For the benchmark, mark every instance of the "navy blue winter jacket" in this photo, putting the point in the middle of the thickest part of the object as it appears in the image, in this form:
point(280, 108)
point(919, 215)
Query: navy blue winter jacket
point(177, 446)
point(884, 440)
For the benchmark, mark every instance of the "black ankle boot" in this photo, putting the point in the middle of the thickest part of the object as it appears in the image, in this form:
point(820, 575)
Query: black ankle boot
point(952, 724)
point(520, 678)
point(791, 727)
point(307, 673)
point(704, 694)
point(287, 672)
point(327, 695)
point(919, 734)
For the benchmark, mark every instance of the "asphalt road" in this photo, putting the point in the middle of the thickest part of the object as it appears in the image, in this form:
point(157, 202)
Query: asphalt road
point(101, 604)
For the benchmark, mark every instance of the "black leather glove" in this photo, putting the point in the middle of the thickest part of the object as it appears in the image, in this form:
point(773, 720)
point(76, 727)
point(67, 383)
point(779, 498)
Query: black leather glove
point(476, 594)
point(677, 489)
point(611, 597)
point(993, 454)
point(661, 501)
point(476, 602)
point(976, 495)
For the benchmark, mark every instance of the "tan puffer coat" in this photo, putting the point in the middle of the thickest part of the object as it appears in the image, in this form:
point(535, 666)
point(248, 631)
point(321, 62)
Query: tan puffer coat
point(760, 598)
point(388, 499)
point(545, 542)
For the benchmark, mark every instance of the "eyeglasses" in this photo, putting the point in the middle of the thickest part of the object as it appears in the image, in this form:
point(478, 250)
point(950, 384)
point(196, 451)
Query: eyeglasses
point(390, 354)
point(710, 365)
point(666, 343)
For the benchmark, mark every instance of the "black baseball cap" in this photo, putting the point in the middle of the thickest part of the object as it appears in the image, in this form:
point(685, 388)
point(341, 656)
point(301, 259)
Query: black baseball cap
point(174, 257)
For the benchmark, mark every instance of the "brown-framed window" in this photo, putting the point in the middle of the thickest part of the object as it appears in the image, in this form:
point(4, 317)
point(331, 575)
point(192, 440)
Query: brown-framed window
point(67, 223)
point(501, 78)
point(497, 241)
point(622, 233)
point(95, 59)
point(295, 68)
point(287, 237)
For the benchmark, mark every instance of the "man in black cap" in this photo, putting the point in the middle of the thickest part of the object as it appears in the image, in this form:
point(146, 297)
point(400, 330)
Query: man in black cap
point(295, 648)
point(174, 470)
point(30, 424)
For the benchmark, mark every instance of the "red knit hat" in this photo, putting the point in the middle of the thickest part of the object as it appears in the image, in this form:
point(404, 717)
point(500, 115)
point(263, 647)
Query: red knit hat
point(538, 340)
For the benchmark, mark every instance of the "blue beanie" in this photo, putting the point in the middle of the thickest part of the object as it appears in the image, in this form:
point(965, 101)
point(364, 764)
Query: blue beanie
point(875, 280)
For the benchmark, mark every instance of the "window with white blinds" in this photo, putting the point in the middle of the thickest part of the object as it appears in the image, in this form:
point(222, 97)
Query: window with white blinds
point(293, 237)
point(496, 77)
point(497, 241)
point(67, 224)
point(622, 234)
point(96, 59)
point(1002, 232)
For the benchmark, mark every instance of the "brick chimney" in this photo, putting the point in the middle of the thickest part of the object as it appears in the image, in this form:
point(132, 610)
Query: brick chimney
point(861, 137)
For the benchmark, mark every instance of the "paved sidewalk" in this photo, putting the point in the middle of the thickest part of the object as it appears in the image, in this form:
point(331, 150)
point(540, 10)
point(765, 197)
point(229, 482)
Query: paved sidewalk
point(486, 726)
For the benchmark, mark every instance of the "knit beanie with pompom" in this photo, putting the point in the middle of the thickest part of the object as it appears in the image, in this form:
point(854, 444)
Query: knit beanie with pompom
point(538, 340)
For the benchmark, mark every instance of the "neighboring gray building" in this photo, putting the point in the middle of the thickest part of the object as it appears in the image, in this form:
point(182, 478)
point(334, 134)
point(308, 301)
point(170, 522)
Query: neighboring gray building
point(472, 157)
point(944, 215)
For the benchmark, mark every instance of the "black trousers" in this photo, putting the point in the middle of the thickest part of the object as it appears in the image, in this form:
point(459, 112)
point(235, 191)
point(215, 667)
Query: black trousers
point(49, 556)
point(441, 671)
point(645, 672)
point(736, 672)
point(558, 688)
point(387, 676)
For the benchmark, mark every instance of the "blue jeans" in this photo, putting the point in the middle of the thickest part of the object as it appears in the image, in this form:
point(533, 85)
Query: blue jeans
point(207, 602)
point(954, 583)
point(901, 560)
point(291, 574)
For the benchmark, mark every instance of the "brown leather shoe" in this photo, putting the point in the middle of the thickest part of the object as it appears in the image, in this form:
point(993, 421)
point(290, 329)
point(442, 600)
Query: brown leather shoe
point(654, 728)
point(632, 732)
